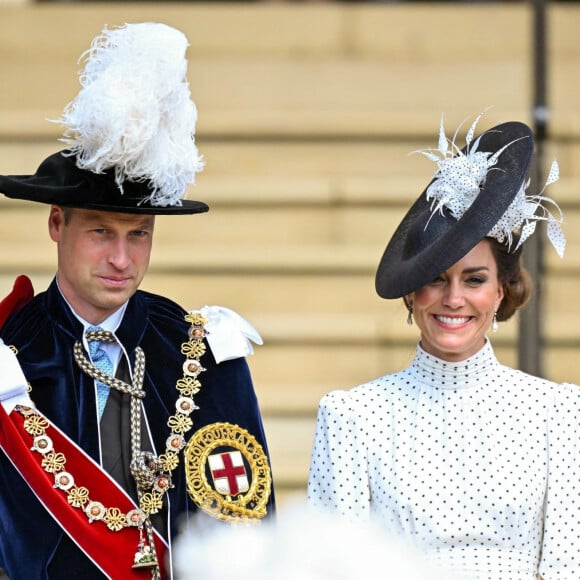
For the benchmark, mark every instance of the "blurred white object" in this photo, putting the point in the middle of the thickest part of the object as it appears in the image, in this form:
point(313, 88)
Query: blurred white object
point(301, 544)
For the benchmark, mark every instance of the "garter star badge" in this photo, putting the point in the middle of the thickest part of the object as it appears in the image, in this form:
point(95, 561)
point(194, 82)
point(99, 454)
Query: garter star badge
point(237, 467)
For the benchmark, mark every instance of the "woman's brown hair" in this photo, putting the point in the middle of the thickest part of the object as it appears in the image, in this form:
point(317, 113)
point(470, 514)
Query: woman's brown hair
point(513, 276)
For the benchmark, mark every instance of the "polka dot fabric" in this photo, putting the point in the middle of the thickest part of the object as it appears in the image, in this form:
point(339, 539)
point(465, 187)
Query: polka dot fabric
point(475, 463)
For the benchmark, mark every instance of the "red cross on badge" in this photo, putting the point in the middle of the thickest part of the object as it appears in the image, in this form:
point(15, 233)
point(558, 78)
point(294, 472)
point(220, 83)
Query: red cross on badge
point(229, 473)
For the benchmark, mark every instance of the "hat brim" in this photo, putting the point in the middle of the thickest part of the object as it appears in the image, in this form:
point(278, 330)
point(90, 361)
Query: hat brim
point(408, 264)
point(58, 181)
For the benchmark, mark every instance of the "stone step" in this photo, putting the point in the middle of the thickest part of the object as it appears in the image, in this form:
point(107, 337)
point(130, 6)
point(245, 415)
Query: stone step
point(326, 71)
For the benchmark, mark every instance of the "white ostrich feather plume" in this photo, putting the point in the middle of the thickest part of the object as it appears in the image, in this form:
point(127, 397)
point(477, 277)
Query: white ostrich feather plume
point(461, 175)
point(134, 112)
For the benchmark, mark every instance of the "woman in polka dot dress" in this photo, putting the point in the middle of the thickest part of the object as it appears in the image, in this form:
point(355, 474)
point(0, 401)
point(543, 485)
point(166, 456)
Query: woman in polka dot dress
point(475, 463)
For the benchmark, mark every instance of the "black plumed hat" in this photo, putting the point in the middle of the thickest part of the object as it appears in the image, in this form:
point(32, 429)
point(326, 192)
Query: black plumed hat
point(59, 181)
point(129, 132)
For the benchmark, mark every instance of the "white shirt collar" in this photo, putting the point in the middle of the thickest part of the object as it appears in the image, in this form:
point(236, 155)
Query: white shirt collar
point(111, 323)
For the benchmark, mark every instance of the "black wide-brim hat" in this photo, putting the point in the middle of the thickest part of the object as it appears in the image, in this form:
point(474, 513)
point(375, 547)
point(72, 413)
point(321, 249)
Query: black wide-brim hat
point(58, 181)
point(426, 243)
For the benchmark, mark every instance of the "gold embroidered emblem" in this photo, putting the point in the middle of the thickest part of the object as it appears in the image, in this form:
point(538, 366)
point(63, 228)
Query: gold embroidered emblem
point(233, 497)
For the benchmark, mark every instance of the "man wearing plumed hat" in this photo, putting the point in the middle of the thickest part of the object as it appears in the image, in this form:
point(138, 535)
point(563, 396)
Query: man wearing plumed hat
point(121, 412)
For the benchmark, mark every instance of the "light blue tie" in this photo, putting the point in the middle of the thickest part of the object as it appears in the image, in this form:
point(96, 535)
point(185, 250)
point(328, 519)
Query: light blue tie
point(101, 360)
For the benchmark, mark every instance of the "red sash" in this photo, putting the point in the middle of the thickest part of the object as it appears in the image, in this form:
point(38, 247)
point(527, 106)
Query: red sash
point(112, 552)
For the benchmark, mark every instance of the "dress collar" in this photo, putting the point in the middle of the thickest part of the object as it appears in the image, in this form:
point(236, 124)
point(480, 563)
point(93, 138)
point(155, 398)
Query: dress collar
point(464, 374)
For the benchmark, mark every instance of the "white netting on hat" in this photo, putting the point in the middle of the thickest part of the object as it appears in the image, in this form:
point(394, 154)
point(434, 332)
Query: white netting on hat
point(134, 112)
point(460, 177)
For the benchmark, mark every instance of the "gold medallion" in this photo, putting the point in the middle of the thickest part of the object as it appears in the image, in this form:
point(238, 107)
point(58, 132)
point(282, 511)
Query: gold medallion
point(220, 452)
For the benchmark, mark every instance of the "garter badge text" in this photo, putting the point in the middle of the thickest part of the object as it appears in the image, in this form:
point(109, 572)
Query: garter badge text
point(237, 467)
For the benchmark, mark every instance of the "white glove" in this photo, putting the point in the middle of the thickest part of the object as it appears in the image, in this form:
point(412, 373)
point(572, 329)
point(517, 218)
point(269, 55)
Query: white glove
point(13, 385)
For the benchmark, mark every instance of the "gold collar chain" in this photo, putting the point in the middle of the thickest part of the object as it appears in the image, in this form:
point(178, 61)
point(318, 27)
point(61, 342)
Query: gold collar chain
point(179, 424)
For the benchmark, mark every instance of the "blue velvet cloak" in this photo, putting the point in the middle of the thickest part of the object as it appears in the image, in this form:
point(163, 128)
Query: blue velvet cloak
point(32, 545)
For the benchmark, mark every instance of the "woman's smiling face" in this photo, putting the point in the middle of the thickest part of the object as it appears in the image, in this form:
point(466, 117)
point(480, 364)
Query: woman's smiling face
point(455, 310)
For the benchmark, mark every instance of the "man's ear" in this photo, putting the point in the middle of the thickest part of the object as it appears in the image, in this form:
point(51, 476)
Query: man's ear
point(55, 222)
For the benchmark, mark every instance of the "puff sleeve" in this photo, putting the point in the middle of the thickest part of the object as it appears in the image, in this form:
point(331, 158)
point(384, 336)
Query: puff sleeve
point(338, 478)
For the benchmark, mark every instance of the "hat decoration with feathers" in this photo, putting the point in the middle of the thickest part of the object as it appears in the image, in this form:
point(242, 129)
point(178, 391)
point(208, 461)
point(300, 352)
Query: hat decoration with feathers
point(459, 179)
point(134, 111)
point(477, 191)
point(130, 131)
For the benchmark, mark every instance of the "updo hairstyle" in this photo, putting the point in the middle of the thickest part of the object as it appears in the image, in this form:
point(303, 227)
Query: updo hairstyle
point(513, 276)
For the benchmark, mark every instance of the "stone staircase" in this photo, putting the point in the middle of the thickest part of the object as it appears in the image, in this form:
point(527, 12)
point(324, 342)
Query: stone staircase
point(307, 116)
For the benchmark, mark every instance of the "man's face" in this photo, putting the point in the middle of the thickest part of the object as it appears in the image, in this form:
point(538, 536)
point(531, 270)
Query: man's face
point(102, 258)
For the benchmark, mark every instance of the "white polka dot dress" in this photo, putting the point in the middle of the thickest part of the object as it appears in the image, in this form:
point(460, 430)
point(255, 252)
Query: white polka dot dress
point(475, 463)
